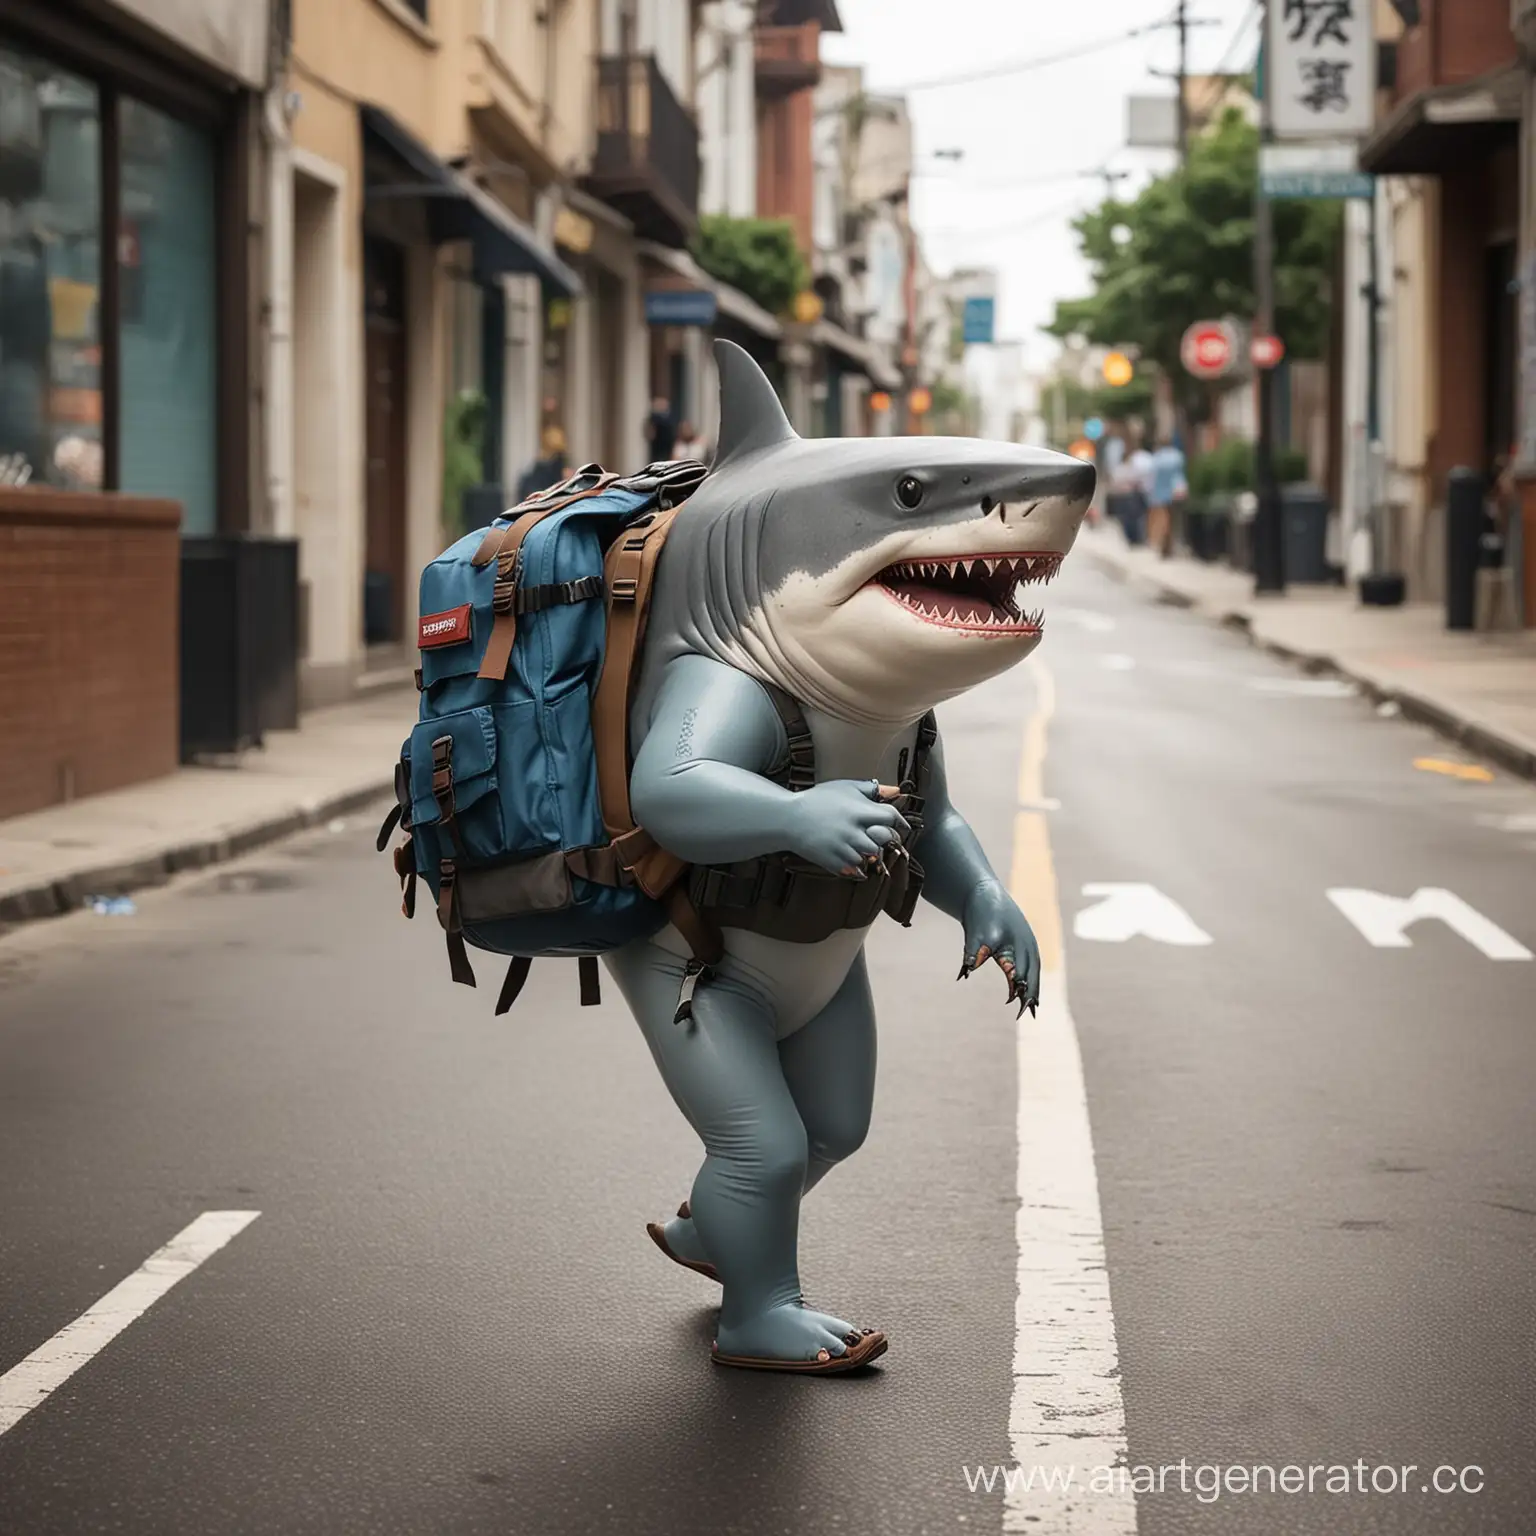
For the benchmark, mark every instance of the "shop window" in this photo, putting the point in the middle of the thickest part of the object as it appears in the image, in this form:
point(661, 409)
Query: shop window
point(167, 299)
point(50, 276)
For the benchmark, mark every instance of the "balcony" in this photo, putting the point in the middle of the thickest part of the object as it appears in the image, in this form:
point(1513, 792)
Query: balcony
point(647, 160)
point(788, 59)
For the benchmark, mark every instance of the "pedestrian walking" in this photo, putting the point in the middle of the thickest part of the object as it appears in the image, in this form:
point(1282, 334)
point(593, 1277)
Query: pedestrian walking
point(547, 470)
point(660, 430)
point(689, 444)
point(1138, 473)
point(1166, 486)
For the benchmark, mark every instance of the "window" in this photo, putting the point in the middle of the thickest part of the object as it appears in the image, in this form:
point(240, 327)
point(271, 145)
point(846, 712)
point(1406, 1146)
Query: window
point(50, 276)
point(167, 304)
point(108, 373)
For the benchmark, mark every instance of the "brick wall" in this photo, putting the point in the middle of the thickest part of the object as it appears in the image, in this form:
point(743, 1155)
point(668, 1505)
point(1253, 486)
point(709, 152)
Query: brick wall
point(1455, 41)
point(89, 620)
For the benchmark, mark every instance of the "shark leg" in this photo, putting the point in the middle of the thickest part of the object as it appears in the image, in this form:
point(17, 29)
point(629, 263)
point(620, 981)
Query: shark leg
point(723, 1071)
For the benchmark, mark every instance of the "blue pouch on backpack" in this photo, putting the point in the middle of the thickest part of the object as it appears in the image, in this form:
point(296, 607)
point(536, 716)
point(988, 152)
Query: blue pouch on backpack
point(498, 785)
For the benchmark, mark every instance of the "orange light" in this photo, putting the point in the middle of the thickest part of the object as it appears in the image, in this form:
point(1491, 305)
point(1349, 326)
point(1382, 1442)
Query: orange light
point(919, 402)
point(879, 401)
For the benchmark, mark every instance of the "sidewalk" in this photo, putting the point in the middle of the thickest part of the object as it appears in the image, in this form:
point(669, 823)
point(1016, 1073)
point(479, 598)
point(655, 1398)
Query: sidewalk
point(105, 845)
point(1478, 689)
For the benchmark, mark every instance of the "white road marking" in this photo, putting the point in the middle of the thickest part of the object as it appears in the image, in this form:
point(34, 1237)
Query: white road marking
point(1518, 824)
point(1116, 662)
point(49, 1366)
point(1305, 687)
point(1085, 618)
point(1383, 920)
point(1067, 1413)
point(1130, 910)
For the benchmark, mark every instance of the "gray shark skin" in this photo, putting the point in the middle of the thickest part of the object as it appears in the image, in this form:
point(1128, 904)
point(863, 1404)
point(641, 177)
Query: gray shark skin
point(870, 579)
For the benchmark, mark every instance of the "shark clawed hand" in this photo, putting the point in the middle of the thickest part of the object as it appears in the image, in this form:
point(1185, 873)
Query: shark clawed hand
point(999, 932)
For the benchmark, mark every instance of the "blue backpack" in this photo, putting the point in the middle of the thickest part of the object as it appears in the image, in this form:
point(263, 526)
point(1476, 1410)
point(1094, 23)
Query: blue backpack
point(513, 788)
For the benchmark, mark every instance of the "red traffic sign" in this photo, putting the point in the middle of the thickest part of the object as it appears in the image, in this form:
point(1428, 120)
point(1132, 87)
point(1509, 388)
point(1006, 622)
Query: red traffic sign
point(1209, 349)
point(1267, 352)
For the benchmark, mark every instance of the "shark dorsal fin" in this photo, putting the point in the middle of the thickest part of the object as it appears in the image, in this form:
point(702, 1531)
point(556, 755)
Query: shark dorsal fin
point(751, 416)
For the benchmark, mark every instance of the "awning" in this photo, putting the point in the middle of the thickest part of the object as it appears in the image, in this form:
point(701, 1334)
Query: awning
point(456, 209)
point(1439, 131)
point(731, 301)
point(861, 354)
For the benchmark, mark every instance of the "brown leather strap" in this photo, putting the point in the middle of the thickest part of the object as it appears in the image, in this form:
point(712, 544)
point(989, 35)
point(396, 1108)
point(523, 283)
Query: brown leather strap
point(498, 650)
point(591, 987)
point(512, 984)
point(448, 916)
point(630, 569)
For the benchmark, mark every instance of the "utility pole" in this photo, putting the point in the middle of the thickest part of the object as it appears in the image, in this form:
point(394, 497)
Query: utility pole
point(1183, 97)
point(1268, 527)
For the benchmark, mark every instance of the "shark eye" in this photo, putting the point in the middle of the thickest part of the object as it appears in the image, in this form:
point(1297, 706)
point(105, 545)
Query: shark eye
point(909, 491)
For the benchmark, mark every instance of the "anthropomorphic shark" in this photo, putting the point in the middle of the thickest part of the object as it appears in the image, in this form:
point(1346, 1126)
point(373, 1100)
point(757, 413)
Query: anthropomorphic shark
point(864, 580)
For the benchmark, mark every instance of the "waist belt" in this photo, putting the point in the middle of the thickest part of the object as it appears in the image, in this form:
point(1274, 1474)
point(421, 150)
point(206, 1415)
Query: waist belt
point(783, 897)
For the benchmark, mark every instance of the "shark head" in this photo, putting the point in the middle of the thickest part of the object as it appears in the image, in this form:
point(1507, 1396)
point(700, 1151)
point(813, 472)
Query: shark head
point(871, 578)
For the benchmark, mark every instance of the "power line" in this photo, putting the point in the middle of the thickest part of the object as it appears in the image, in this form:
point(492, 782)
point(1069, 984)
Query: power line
point(1024, 66)
point(1046, 217)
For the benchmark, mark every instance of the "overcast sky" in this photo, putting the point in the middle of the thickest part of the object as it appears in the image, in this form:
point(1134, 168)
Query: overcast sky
point(994, 208)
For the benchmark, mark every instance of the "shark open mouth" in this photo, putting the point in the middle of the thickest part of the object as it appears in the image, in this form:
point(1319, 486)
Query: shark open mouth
point(978, 594)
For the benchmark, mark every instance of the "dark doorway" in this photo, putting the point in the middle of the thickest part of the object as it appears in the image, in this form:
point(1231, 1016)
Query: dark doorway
point(385, 361)
point(608, 296)
point(1501, 324)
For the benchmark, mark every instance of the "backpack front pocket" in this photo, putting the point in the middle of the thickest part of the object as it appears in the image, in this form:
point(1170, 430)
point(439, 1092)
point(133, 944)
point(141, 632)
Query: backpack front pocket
point(453, 785)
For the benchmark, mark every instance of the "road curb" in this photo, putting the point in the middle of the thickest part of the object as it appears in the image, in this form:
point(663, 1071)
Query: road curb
point(1510, 753)
point(53, 898)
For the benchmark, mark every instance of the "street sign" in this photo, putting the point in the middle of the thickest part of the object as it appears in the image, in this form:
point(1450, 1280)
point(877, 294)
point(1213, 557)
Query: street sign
point(1320, 69)
point(807, 307)
point(1119, 370)
point(978, 319)
point(1093, 429)
point(679, 306)
point(1322, 170)
point(1209, 349)
point(1267, 351)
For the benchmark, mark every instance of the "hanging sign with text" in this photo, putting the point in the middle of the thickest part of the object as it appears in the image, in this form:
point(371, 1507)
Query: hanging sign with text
point(1321, 68)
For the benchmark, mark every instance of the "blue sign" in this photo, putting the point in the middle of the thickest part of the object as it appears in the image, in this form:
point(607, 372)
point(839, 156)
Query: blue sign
point(1093, 429)
point(679, 306)
point(977, 320)
point(1318, 184)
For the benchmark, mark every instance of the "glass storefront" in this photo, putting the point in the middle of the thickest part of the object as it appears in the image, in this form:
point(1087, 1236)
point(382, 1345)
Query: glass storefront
point(50, 276)
point(59, 332)
point(167, 301)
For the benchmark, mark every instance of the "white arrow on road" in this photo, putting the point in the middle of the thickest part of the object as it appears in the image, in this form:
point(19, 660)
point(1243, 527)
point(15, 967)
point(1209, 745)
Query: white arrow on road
point(1383, 920)
point(1129, 910)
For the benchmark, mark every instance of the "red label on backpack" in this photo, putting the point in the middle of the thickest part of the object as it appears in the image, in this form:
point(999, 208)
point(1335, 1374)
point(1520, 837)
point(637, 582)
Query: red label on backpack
point(444, 628)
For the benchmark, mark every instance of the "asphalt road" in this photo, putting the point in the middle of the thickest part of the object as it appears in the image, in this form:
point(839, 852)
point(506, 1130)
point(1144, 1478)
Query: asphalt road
point(1316, 1162)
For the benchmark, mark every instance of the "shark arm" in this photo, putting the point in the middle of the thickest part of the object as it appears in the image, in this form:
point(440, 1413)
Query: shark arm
point(949, 851)
point(959, 881)
point(698, 784)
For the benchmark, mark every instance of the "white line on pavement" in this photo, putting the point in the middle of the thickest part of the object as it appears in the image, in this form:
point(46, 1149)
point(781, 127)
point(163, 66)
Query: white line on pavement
point(48, 1367)
point(1067, 1416)
point(1384, 920)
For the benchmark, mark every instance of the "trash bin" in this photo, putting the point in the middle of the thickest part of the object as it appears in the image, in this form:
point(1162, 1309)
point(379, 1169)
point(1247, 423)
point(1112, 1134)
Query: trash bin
point(1465, 516)
point(1304, 511)
point(239, 641)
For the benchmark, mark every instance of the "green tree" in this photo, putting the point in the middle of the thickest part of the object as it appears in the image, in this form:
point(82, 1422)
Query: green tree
point(1189, 257)
point(758, 257)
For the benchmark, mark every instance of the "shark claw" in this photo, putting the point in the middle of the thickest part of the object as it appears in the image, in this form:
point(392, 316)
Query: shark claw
point(965, 971)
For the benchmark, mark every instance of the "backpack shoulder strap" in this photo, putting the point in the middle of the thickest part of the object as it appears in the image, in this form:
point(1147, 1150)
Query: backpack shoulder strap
point(630, 571)
point(800, 771)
